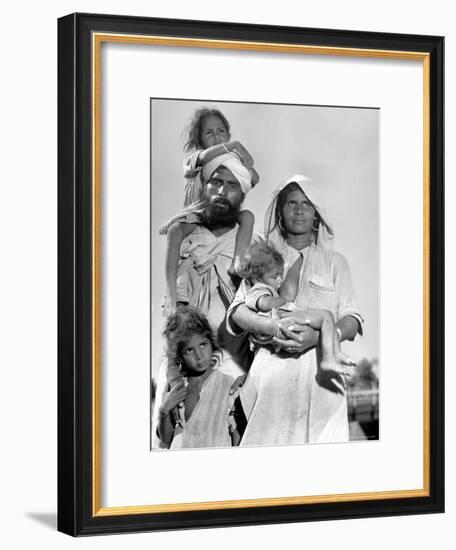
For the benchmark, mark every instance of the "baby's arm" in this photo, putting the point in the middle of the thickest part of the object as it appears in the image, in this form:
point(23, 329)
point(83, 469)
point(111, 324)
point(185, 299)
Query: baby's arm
point(246, 221)
point(267, 303)
point(176, 234)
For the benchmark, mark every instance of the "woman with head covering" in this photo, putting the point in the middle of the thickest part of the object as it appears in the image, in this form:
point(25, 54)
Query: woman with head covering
point(287, 397)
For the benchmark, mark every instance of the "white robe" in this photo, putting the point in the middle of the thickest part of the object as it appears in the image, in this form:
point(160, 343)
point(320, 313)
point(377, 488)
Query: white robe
point(287, 399)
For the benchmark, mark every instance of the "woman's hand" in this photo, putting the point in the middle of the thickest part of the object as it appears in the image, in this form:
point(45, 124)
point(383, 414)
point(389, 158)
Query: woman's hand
point(298, 336)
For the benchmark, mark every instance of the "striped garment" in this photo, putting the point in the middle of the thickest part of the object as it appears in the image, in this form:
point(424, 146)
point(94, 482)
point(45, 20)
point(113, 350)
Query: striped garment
point(208, 425)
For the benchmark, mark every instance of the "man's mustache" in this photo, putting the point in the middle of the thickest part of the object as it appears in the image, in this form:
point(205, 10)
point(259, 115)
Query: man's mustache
point(221, 200)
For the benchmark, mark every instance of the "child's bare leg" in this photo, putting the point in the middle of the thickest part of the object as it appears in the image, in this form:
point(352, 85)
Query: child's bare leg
point(246, 222)
point(332, 357)
point(176, 234)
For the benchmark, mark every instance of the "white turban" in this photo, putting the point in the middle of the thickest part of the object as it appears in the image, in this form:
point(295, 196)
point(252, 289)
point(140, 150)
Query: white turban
point(234, 165)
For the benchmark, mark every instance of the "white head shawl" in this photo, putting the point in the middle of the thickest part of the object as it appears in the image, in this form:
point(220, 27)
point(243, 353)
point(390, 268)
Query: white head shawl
point(234, 165)
point(272, 232)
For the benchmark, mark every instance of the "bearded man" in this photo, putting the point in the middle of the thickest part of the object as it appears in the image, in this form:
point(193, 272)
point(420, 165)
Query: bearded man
point(203, 278)
point(205, 258)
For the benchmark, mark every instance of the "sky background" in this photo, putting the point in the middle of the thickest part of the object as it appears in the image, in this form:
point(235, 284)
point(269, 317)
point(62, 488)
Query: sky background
point(336, 146)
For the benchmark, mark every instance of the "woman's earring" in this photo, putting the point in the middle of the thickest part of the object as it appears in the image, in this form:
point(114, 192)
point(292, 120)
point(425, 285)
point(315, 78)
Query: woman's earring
point(316, 225)
point(281, 227)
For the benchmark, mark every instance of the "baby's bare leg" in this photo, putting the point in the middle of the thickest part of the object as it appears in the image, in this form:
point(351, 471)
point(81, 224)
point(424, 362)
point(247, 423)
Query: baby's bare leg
point(323, 320)
point(332, 358)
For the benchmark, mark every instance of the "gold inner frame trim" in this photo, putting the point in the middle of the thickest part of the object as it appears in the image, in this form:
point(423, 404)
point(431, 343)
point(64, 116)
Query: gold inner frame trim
point(253, 503)
point(426, 270)
point(97, 40)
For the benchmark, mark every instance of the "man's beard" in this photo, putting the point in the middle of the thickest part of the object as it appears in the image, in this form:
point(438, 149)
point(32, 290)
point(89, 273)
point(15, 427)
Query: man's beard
point(219, 213)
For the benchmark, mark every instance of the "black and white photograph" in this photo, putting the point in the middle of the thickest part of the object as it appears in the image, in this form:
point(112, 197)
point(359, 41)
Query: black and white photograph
point(264, 267)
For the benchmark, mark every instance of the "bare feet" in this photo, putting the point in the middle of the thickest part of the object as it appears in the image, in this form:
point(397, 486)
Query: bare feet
point(345, 367)
point(345, 359)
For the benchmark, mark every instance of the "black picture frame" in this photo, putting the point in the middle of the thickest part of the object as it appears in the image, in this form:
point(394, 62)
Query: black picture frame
point(76, 493)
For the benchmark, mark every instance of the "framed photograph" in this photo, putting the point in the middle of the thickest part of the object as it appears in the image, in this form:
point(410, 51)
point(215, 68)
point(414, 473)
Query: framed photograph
point(251, 275)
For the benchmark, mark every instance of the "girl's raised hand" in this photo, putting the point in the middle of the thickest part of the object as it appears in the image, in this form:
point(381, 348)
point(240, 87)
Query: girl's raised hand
point(241, 151)
point(173, 397)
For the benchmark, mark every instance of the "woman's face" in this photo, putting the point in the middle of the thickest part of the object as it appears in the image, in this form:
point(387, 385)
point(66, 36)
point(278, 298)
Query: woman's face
point(298, 214)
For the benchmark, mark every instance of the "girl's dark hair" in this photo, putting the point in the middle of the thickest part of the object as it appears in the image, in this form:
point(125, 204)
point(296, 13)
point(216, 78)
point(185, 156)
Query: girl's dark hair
point(281, 200)
point(258, 259)
point(193, 129)
point(180, 327)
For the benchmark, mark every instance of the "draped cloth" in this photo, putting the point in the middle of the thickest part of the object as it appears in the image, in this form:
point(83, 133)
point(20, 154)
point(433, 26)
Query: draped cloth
point(286, 398)
point(202, 275)
point(208, 425)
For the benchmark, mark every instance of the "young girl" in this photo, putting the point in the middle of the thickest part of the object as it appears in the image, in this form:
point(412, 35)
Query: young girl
point(198, 408)
point(208, 137)
point(266, 290)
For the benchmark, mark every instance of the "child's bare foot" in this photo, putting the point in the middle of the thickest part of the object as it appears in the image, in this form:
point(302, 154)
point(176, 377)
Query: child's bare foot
point(345, 359)
point(345, 369)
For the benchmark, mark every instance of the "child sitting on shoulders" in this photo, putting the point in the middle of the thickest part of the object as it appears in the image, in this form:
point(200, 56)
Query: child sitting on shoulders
point(208, 137)
point(198, 407)
point(265, 290)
